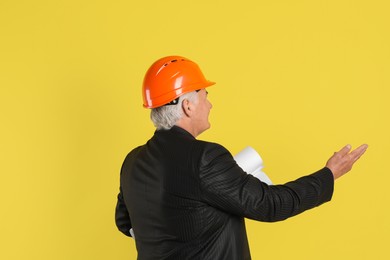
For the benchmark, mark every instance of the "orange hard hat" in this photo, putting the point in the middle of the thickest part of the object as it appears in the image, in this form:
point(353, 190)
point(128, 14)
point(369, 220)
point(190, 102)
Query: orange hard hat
point(170, 77)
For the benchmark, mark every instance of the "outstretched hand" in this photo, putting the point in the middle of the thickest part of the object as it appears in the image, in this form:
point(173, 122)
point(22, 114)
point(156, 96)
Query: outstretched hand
point(342, 161)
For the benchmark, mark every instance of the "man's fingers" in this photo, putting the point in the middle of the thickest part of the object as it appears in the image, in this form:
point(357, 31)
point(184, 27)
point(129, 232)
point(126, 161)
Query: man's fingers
point(345, 150)
point(355, 154)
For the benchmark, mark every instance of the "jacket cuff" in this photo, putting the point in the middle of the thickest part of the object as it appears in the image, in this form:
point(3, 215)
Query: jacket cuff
point(325, 176)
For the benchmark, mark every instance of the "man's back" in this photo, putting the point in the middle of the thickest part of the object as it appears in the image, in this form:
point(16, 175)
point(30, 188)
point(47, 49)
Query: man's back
point(163, 193)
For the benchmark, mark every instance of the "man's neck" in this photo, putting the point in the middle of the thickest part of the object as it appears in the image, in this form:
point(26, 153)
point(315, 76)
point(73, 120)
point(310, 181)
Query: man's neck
point(186, 125)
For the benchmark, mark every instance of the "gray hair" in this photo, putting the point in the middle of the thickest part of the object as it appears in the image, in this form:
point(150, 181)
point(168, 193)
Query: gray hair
point(165, 117)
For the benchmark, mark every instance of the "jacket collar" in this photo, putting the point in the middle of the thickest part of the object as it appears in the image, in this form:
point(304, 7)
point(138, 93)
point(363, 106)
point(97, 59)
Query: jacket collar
point(177, 131)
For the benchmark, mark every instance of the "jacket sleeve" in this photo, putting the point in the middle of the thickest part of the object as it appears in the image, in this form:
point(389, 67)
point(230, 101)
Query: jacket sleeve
point(227, 187)
point(122, 218)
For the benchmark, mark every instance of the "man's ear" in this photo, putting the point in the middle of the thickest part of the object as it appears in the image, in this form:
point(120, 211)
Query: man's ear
point(186, 106)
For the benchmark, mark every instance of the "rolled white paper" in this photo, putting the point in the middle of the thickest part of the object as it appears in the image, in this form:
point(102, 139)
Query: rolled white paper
point(251, 162)
point(262, 176)
point(132, 233)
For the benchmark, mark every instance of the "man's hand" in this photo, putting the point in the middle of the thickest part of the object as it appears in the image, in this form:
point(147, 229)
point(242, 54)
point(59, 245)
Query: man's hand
point(342, 161)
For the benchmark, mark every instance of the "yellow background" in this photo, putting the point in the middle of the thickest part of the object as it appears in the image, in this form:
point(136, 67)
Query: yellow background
point(296, 80)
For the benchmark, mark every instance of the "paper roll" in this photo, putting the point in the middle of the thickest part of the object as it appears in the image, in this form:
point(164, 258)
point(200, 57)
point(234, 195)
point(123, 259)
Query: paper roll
point(262, 176)
point(251, 162)
point(132, 233)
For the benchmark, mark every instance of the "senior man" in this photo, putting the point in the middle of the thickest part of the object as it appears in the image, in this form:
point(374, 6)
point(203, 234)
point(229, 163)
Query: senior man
point(187, 199)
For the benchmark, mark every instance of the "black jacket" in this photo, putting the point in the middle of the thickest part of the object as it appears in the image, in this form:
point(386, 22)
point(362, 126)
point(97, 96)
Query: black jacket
point(187, 199)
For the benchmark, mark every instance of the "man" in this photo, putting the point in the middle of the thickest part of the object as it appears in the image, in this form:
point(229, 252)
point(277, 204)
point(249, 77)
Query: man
point(187, 199)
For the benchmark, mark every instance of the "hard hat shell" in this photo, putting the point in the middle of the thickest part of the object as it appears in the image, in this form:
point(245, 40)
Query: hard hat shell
point(170, 77)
